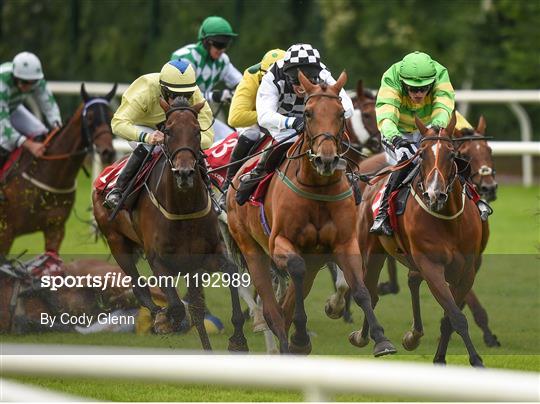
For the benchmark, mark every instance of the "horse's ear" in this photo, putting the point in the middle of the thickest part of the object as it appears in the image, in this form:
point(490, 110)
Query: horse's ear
point(360, 90)
point(164, 104)
point(457, 133)
point(420, 125)
point(111, 93)
point(481, 127)
point(308, 85)
point(198, 107)
point(340, 83)
point(452, 124)
point(84, 94)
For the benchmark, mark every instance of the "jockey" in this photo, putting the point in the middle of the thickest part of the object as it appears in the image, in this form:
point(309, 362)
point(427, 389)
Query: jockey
point(138, 116)
point(419, 86)
point(243, 115)
point(280, 103)
point(212, 65)
point(18, 126)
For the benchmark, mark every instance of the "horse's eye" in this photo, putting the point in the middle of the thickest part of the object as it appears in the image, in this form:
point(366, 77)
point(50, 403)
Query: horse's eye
point(308, 113)
point(365, 115)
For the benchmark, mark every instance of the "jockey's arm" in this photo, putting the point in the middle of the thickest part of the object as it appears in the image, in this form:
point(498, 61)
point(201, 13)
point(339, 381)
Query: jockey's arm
point(387, 108)
point(125, 118)
point(461, 122)
point(443, 99)
point(230, 74)
point(267, 106)
point(242, 112)
point(47, 103)
point(205, 118)
point(8, 134)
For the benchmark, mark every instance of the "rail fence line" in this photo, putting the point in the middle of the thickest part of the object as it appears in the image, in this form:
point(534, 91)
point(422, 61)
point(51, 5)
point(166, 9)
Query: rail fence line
point(318, 377)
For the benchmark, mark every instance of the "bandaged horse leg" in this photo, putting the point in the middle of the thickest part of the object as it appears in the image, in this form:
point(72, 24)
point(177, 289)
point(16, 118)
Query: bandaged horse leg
point(335, 305)
point(196, 310)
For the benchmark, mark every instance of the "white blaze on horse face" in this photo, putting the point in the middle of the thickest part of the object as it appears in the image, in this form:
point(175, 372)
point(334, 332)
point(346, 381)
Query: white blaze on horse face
point(358, 126)
point(433, 184)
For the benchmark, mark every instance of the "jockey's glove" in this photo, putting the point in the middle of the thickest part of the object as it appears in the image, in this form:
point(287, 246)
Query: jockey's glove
point(222, 95)
point(404, 148)
point(298, 125)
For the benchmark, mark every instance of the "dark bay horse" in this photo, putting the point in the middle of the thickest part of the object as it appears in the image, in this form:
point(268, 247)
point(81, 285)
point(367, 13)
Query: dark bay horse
point(309, 207)
point(40, 192)
point(174, 225)
point(440, 235)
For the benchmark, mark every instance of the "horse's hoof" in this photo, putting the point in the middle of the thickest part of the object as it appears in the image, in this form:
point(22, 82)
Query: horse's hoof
point(259, 323)
point(411, 340)
point(356, 339)
point(298, 348)
point(384, 348)
point(476, 361)
point(387, 288)
point(440, 360)
point(331, 312)
point(239, 345)
point(161, 324)
point(492, 341)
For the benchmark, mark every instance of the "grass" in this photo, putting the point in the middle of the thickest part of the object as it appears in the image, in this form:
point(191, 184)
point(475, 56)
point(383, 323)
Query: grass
point(508, 287)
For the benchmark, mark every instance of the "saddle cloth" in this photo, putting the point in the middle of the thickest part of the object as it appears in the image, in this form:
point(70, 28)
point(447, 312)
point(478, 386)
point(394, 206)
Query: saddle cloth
point(13, 157)
point(219, 155)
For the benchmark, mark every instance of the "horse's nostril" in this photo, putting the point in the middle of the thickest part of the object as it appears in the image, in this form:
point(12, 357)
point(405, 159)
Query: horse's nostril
point(318, 160)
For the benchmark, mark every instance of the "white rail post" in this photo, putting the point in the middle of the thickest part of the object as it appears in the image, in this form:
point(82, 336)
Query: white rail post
point(526, 136)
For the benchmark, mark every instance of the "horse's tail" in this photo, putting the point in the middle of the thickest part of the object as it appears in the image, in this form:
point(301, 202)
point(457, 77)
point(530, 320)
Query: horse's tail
point(230, 243)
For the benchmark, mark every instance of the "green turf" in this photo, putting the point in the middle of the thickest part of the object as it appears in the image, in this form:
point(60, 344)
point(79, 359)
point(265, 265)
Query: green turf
point(508, 286)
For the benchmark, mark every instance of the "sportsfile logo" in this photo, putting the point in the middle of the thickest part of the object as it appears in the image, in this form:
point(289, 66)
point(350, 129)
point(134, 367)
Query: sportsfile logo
point(116, 280)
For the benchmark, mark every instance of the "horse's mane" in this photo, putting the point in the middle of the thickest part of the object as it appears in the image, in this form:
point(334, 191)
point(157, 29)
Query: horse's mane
point(324, 86)
point(180, 102)
point(468, 131)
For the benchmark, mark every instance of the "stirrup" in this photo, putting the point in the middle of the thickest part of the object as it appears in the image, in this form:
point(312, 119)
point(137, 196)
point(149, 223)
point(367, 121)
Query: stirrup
point(381, 227)
point(112, 198)
point(484, 209)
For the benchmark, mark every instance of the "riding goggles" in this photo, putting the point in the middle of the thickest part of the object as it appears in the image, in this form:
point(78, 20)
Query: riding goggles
point(218, 45)
point(416, 90)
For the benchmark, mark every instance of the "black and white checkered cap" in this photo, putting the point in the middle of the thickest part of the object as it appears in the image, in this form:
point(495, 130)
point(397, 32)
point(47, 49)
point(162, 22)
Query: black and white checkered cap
point(301, 54)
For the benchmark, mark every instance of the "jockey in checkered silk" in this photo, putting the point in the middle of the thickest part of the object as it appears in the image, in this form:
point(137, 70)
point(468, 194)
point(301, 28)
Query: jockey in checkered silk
point(280, 102)
point(19, 79)
point(138, 116)
point(243, 114)
point(212, 65)
point(417, 85)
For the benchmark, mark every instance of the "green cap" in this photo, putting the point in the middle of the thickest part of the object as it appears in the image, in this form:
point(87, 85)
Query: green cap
point(215, 26)
point(417, 69)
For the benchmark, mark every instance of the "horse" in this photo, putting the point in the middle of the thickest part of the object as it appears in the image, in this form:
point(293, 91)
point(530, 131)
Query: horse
point(477, 152)
point(40, 192)
point(304, 223)
point(440, 235)
point(172, 221)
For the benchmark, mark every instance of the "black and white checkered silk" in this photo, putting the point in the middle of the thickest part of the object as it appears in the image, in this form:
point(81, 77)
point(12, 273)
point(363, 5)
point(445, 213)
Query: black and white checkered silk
point(301, 54)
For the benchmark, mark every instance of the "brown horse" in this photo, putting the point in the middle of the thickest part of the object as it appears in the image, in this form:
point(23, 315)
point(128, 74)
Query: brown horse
point(309, 206)
point(40, 192)
point(440, 235)
point(174, 224)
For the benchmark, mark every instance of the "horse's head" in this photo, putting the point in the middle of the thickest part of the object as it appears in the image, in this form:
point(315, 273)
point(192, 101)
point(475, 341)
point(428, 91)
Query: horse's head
point(96, 120)
point(324, 123)
point(438, 170)
point(478, 153)
point(362, 125)
point(182, 139)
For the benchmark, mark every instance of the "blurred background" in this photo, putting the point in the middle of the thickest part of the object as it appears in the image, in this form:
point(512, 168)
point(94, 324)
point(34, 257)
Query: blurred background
point(485, 44)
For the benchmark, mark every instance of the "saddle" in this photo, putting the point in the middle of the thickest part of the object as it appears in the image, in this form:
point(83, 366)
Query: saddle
point(107, 179)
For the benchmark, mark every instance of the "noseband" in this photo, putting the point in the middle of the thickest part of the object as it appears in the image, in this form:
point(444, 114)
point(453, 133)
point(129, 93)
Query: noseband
point(170, 156)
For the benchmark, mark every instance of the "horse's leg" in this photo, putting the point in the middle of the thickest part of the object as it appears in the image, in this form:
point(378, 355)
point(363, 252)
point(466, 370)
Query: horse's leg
point(411, 339)
point(6, 239)
point(237, 342)
point(196, 310)
point(54, 235)
point(434, 277)
point(481, 319)
point(391, 286)
point(335, 305)
point(289, 304)
point(123, 251)
point(285, 256)
point(349, 259)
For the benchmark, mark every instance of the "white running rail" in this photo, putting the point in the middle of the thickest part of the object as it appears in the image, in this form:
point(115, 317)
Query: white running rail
point(318, 377)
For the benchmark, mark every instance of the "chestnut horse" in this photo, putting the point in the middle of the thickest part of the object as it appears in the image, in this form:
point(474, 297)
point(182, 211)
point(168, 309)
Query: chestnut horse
point(440, 235)
point(174, 224)
point(40, 192)
point(310, 207)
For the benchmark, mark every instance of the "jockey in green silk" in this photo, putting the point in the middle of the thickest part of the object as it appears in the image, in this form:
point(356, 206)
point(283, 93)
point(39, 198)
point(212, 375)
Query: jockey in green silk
point(415, 86)
point(212, 65)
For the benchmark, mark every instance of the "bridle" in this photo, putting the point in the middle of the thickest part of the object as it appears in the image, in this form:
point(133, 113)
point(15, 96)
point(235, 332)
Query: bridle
point(484, 170)
point(88, 134)
point(453, 176)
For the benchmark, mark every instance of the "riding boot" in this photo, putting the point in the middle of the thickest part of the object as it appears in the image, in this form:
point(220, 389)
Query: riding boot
point(381, 223)
point(4, 156)
point(249, 182)
point(131, 168)
point(241, 150)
